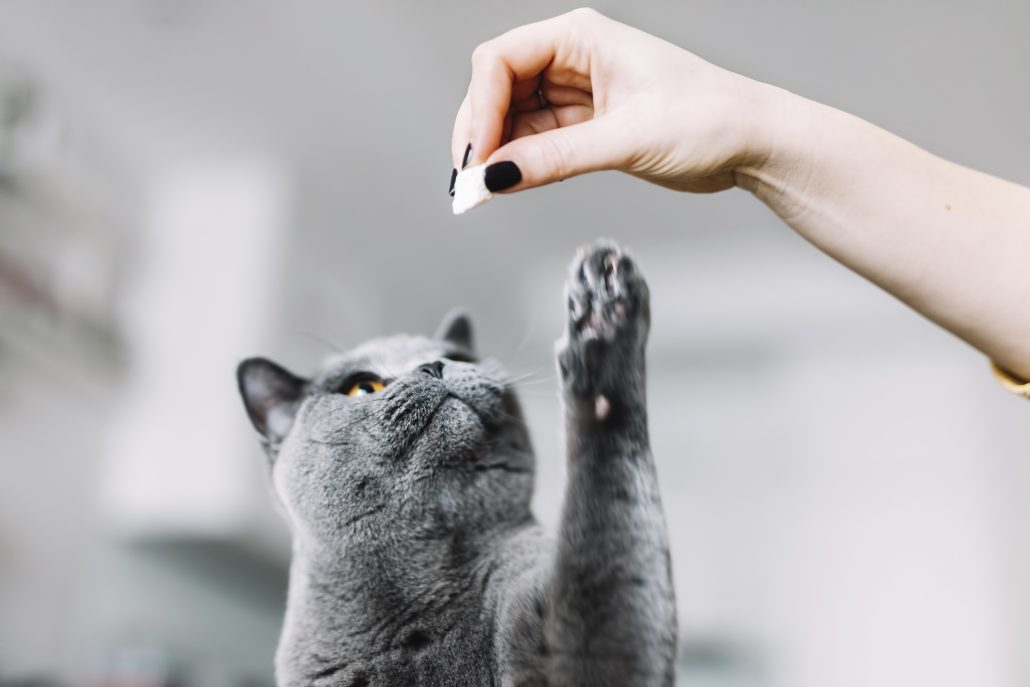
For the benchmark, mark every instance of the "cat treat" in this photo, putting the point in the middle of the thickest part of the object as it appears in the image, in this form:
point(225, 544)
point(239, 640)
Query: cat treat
point(470, 189)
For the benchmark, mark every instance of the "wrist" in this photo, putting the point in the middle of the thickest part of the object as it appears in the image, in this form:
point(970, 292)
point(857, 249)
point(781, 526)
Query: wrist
point(780, 141)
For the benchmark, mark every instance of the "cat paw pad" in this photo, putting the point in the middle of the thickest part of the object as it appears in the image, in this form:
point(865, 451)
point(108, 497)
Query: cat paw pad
point(607, 321)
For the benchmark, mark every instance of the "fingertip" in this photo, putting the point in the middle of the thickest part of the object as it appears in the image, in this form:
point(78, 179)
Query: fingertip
point(502, 176)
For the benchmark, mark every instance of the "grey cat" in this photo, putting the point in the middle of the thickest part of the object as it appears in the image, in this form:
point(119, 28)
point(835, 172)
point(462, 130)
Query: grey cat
point(405, 472)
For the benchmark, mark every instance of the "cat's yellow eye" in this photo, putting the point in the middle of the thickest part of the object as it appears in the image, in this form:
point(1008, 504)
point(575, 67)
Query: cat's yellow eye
point(365, 387)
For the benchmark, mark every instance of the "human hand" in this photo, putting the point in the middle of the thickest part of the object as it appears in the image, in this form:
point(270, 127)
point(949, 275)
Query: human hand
point(581, 92)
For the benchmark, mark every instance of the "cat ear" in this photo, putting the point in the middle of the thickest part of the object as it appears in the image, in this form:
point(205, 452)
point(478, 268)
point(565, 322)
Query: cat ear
point(271, 396)
point(456, 328)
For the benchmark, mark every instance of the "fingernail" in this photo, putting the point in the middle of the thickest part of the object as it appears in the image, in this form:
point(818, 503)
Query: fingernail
point(468, 155)
point(454, 175)
point(501, 175)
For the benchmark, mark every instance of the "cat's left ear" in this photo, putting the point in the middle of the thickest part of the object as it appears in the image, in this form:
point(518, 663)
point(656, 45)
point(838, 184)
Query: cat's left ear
point(271, 395)
point(456, 328)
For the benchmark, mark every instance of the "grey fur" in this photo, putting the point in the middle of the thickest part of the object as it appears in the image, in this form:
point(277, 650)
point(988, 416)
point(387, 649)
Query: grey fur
point(416, 559)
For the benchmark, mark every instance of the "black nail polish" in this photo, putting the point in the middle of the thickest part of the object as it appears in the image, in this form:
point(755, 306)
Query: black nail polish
point(501, 175)
point(468, 155)
point(454, 175)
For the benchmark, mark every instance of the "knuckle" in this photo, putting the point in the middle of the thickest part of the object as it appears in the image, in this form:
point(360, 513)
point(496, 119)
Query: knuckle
point(584, 14)
point(482, 53)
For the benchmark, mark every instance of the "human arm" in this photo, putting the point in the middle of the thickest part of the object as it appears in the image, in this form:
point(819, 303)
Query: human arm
point(951, 242)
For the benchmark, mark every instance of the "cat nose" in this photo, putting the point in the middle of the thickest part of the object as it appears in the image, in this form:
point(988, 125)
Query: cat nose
point(432, 369)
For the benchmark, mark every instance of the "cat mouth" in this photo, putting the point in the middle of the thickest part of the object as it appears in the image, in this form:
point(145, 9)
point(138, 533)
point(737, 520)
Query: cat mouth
point(478, 416)
point(431, 427)
point(475, 411)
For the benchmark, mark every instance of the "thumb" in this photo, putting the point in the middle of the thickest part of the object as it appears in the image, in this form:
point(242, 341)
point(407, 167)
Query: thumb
point(558, 154)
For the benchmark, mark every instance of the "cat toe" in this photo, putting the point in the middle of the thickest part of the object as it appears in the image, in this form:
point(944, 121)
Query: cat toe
point(604, 292)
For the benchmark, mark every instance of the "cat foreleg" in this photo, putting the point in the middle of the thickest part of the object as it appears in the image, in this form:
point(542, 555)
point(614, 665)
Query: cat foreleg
point(612, 618)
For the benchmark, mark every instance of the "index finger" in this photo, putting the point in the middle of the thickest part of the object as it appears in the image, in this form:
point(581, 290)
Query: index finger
point(518, 55)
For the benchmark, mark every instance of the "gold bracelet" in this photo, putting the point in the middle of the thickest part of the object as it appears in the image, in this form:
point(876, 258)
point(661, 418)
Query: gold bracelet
point(1011, 381)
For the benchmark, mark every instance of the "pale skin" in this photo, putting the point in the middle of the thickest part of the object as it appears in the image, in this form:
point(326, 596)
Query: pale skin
point(951, 242)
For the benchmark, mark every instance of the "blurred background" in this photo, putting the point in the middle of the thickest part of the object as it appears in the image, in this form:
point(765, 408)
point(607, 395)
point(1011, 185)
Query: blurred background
point(184, 183)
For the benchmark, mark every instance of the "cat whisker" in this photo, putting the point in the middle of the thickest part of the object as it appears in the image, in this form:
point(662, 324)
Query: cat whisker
point(524, 342)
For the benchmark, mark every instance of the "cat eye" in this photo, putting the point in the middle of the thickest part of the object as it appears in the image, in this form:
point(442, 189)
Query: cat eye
point(364, 387)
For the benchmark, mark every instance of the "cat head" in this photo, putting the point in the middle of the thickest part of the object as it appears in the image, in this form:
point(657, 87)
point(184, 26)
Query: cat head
point(404, 435)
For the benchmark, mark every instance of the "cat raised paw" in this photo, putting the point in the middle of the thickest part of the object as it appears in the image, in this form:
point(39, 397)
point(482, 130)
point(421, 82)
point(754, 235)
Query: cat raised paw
point(601, 354)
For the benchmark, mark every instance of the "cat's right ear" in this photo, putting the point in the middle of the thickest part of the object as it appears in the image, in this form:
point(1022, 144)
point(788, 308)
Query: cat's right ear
point(271, 395)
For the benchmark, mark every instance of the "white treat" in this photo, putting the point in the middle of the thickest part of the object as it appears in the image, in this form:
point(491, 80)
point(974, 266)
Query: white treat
point(470, 190)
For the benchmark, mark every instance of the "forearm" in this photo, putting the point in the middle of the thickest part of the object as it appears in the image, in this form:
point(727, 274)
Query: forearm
point(951, 242)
